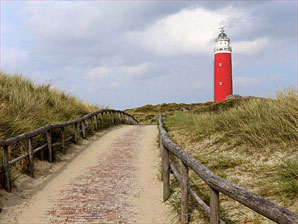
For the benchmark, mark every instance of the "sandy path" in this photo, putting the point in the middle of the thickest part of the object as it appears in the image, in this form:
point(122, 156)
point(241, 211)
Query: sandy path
point(114, 180)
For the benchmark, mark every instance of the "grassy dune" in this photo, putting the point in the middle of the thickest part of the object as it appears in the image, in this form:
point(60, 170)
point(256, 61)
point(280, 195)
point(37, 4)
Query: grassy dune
point(256, 122)
point(26, 106)
point(148, 114)
point(251, 142)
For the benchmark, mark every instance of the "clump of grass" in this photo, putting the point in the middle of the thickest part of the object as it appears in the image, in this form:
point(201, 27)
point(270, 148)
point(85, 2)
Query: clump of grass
point(222, 161)
point(148, 114)
point(281, 180)
point(25, 106)
point(256, 122)
point(252, 143)
point(287, 175)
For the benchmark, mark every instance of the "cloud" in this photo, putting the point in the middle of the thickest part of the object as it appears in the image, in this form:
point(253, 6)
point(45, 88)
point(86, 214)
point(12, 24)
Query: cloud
point(190, 31)
point(251, 47)
point(197, 85)
point(74, 45)
point(60, 22)
point(114, 85)
point(13, 60)
point(135, 69)
point(98, 72)
point(113, 69)
point(245, 81)
point(14, 56)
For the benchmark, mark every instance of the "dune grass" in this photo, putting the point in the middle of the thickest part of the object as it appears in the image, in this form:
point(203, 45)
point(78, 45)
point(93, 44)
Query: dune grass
point(26, 106)
point(253, 144)
point(256, 122)
point(148, 114)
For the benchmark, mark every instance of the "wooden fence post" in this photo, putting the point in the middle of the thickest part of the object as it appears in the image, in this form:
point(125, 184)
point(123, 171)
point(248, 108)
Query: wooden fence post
point(42, 154)
point(113, 118)
point(49, 140)
point(214, 206)
point(165, 172)
point(116, 118)
point(123, 118)
point(63, 139)
point(184, 193)
point(106, 118)
point(75, 139)
point(31, 160)
point(6, 169)
point(83, 129)
point(100, 121)
point(95, 122)
point(90, 122)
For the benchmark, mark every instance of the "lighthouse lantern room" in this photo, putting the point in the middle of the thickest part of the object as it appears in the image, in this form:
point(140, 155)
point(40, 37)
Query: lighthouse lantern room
point(222, 67)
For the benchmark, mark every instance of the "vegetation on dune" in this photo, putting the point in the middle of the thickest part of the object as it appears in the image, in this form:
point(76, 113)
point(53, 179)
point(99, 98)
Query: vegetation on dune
point(26, 106)
point(250, 141)
point(256, 122)
point(148, 114)
point(253, 144)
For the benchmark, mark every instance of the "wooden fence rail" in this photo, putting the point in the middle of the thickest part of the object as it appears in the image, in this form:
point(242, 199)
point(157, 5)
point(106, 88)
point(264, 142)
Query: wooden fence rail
point(112, 116)
point(217, 184)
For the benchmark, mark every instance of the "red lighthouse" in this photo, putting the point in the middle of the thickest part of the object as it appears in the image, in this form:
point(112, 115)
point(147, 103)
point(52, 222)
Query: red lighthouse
point(222, 67)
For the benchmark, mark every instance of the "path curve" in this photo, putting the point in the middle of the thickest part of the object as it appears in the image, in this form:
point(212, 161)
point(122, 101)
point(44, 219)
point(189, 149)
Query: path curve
point(115, 180)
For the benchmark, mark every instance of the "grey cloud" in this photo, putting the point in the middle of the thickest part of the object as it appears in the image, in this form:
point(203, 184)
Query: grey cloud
point(67, 55)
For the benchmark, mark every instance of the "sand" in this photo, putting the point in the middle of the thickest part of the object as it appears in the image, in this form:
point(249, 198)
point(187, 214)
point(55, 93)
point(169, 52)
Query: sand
point(111, 177)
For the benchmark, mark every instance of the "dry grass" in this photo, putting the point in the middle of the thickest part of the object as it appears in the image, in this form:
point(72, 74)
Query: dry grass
point(257, 122)
point(148, 114)
point(253, 144)
point(26, 106)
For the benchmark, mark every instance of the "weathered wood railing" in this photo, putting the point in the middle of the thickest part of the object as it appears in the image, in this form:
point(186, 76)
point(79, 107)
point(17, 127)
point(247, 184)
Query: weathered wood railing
point(217, 184)
point(113, 116)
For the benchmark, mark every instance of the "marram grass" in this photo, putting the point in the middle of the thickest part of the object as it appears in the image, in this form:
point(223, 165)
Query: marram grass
point(257, 122)
point(253, 144)
point(26, 106)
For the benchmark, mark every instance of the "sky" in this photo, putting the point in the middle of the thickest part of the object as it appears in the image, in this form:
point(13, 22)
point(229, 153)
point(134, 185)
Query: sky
point(125, 54)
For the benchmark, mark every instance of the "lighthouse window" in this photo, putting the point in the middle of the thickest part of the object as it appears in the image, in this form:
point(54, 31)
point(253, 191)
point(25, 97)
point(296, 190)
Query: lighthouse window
point(220, 83)
point(220, 64)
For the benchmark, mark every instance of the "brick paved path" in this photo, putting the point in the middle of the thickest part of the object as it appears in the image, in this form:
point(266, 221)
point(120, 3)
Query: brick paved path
point(100, 194)
point(113, 180)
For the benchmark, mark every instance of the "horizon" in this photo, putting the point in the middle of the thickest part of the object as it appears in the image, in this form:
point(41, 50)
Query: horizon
point(129, 54)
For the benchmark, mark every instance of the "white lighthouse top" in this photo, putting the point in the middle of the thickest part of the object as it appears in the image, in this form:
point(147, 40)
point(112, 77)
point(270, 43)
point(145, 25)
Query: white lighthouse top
point(222, 42)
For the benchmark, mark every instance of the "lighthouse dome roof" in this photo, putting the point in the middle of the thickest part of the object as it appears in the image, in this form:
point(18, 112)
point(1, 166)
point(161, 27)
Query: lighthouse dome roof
point(222, 35)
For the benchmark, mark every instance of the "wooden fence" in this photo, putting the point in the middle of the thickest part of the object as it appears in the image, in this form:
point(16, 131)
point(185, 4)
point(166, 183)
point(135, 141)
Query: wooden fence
point(217, 184)
point(113, 117)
